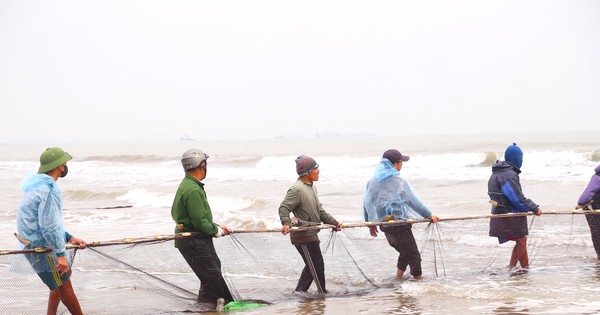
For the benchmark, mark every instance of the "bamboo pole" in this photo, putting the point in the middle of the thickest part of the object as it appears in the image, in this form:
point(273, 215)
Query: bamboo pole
point(472, 217)
point(160, 238)
point(36, 250)
point(292, 229)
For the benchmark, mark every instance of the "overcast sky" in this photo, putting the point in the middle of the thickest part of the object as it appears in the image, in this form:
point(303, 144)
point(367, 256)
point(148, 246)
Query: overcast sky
point(155, 70)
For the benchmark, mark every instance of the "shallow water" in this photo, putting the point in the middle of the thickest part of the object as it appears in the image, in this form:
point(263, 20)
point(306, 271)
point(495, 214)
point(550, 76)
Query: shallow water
point(115, 191)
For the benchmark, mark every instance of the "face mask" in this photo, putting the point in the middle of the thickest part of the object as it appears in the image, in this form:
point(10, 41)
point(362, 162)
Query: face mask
point(64, 172)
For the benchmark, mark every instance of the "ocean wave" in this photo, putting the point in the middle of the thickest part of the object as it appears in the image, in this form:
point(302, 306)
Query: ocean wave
point(237, 161)
point(249, 223)
point(285, 163)
point(225, 209)
point(595, 156)
point(82, 194)
point(116, 173)
point(146, 198)
point(490, 158)
point(246, 213)
point(234, 162)
point(127, 158)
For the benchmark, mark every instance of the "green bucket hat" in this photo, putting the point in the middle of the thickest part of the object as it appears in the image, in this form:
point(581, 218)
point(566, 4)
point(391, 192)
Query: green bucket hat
point(53, 158)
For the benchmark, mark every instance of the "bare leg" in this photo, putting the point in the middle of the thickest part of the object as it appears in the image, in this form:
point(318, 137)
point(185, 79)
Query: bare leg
point(519, 254)
point(53, 301)
point(399, 273)
point(513, 258)
point(522, 252)
point(69, 299)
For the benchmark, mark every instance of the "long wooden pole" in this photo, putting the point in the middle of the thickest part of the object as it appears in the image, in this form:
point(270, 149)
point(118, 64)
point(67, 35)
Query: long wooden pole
point(472, 217)
point(159, 238)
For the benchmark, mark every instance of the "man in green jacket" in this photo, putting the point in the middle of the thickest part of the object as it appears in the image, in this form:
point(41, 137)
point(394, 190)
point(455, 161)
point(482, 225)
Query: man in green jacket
point(303, 201)
point(191, 213)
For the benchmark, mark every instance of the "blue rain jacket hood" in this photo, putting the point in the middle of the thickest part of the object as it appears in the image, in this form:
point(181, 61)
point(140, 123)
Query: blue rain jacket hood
point(388, 193)
point(39, 218)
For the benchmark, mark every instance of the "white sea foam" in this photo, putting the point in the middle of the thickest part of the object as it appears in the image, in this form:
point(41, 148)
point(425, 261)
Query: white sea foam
point(144, 198)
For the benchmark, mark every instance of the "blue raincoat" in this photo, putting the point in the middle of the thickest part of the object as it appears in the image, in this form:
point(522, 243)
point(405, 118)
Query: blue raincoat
point(39, 219)
point(388, 193)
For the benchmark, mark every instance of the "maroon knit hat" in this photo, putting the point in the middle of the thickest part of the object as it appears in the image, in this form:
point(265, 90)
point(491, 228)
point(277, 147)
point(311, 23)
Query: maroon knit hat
point(305, 164)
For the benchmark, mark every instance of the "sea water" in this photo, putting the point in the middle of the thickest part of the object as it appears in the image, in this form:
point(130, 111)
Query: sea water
point(117, 190)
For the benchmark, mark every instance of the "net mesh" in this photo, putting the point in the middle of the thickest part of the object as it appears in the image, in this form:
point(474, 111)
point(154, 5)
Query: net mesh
point(151, 277)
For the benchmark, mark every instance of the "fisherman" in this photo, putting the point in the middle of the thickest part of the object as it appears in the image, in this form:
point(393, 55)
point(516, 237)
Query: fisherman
point(590, 199)
point(506, 196)
point(191, 213)
point(303, 201)
point(390, 197)
point(40, 225)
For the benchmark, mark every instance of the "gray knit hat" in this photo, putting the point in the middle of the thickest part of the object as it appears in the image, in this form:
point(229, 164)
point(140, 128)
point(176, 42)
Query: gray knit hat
point(305, 164)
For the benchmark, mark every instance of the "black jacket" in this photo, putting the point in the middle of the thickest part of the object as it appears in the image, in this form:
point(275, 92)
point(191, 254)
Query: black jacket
point(504, 188)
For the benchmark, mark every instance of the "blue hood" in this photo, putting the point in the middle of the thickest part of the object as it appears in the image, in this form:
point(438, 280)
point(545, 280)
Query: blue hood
point(388, 193)
point(385, 169)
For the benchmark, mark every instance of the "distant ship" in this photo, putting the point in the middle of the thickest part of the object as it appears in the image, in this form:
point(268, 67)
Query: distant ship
point(187, 138)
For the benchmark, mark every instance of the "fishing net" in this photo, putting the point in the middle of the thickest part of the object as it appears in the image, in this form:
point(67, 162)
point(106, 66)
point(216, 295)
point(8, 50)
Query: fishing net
point(149, 275)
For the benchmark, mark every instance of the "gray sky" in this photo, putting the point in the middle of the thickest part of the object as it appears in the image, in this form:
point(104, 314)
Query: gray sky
point(155, 70)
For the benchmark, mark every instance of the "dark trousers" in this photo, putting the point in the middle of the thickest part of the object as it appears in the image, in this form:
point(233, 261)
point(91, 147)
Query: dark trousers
point(594, 223)
point(314, 268)
point(401, 238)
point(200, 254)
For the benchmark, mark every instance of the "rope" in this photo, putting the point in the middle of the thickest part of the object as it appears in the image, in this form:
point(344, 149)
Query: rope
point(344, 240)
point(441, 248)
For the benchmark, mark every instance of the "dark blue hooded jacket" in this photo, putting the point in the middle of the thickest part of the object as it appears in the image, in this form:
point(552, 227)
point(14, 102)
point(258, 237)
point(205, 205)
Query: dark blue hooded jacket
point(504, 188)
